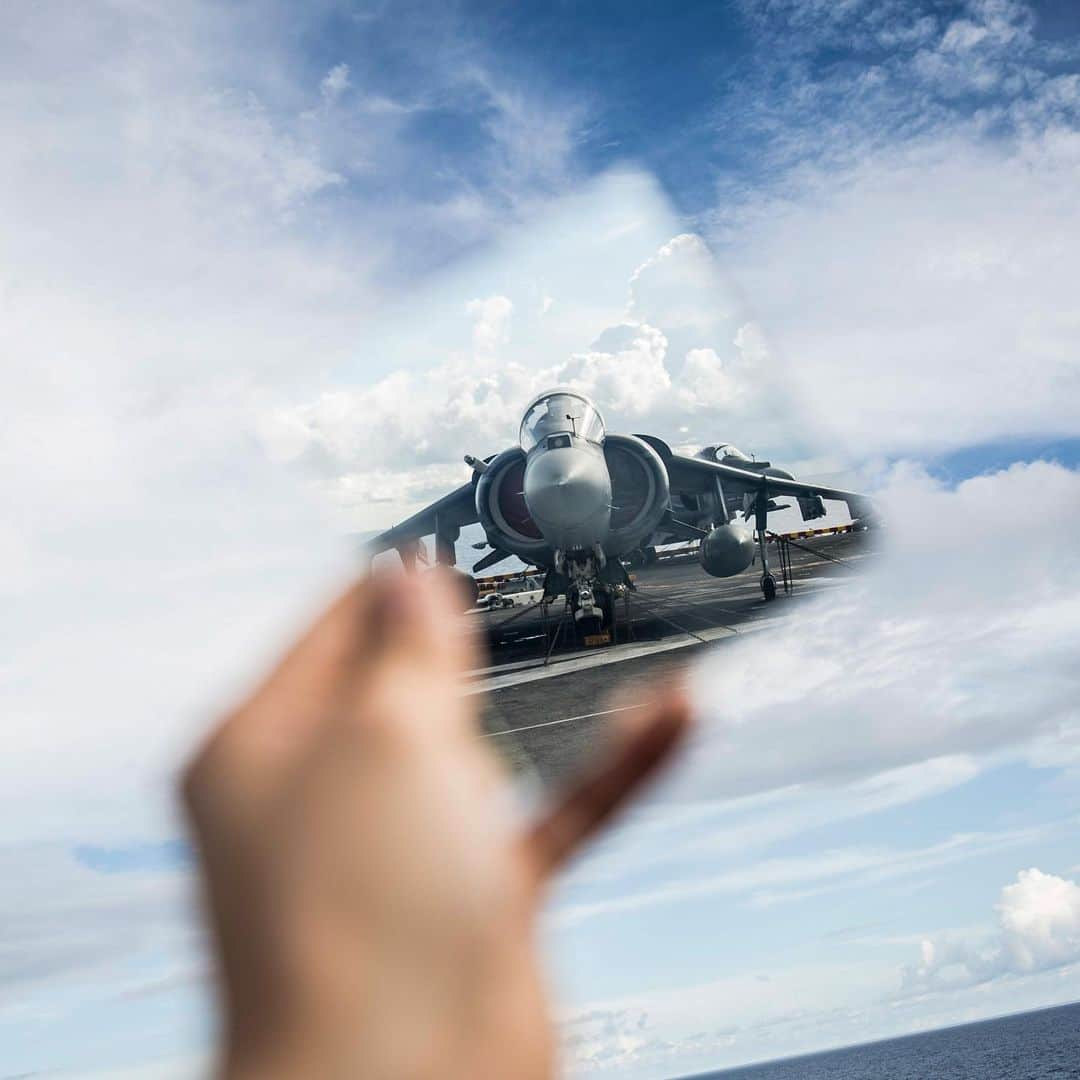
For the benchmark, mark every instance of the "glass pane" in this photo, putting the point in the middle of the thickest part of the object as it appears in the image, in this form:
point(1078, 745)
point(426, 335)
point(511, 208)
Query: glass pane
point(558, 412)
point(729, 451)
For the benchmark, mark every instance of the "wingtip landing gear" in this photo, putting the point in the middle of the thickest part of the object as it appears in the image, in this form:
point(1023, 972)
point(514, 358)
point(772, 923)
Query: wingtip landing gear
point(761, 521)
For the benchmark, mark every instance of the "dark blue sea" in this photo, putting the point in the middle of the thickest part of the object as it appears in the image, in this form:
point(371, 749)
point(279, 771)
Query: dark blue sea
point(1029, 1046)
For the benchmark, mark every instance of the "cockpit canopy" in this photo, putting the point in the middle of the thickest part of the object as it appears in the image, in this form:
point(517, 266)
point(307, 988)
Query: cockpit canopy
point(726, 450)
point(722, 452)
point(560, 411)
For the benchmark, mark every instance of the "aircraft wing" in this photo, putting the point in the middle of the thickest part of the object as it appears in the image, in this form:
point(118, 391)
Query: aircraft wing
point(443, 519)
point(743, 481)
point(694, 476)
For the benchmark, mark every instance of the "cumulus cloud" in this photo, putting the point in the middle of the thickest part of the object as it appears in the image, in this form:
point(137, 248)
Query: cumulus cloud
point(697, 372)
point(706, 382)
point(628, 376)
point(960, 640)
point(425, 418)
point(411, 425)
point(1038, 919)
point(677, 286)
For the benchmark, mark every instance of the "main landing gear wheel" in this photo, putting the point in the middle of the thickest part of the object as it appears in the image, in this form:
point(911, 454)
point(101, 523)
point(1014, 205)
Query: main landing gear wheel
point(768, 586)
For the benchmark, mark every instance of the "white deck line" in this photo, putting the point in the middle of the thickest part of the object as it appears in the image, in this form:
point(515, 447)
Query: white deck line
point(522, 671)
point(564, 720)
point(614, 654)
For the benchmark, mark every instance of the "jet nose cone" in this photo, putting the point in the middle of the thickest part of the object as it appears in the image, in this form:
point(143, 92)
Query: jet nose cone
point(565, 487)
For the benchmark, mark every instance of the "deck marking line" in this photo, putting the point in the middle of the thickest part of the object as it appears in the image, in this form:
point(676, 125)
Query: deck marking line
point(600, 658)
point(564, 720)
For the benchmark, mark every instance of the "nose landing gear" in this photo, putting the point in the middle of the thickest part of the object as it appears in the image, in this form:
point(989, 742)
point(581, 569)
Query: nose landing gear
point(583, 603)
point(591, 583)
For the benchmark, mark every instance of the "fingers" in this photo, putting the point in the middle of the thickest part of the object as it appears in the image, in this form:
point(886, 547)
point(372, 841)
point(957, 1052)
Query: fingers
point(417, 621)
point(267, 727)
point(646, 743)
point(383, 640)
point(419, 650)
point(289, 700)
point(326, 651)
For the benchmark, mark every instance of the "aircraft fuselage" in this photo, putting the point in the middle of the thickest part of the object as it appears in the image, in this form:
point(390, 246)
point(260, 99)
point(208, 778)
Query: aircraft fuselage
point(567, 489)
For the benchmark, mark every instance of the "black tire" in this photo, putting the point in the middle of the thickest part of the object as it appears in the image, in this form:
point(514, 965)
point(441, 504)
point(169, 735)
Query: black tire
point(768, 586)
point(606, 603)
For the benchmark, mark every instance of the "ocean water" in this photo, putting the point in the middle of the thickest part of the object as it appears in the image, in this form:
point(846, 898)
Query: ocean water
point(1030, 1046)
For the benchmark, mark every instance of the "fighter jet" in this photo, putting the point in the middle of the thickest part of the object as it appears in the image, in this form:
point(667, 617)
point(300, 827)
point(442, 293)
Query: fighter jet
point(580, 502)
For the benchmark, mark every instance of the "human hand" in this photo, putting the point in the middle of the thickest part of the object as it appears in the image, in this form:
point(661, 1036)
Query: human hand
point(373, 899)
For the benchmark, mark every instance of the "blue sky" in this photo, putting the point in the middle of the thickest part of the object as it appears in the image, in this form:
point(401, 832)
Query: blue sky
point(715, 101)
point(271, 270)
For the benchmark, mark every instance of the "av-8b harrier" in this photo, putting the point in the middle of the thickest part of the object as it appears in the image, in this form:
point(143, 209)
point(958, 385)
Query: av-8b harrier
point(577, 500)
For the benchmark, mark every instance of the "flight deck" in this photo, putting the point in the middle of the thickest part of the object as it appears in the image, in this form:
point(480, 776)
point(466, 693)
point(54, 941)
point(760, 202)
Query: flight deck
point(545, 707)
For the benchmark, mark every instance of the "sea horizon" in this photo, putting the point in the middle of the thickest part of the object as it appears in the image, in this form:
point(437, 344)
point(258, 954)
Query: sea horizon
point(837, 1060)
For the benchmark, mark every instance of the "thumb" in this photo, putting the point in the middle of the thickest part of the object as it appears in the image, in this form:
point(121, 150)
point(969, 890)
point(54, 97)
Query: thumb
point(646, 742)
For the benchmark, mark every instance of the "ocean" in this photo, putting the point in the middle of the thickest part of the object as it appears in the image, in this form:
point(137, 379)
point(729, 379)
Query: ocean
point(1029, 1046)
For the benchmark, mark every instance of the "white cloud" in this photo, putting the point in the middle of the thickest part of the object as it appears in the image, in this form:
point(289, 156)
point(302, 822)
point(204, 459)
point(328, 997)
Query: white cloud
point(1038, 929)
point(1040, 921)
point(334, 83)
point(737, 1017)
point(158, 332)
point(955, 328)
point(169, 280)
point(677, 286)
point(187, 294)
point(628, 376)
point(908, 258)
point(907, 254)
point(416, 423)
point(705, 383)
point(763, 1011)
point(491, 323)
point(782, 879)
point(959, 640)
point(697, 361)
point(671, 835)
point(981, 52)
